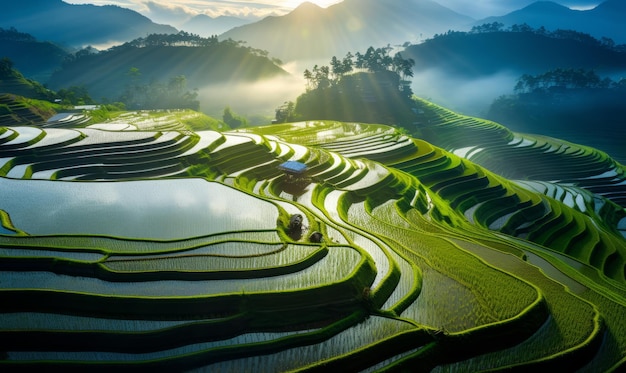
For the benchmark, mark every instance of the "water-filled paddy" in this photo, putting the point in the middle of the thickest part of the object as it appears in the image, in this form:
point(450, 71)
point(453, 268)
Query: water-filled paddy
point(157, 209)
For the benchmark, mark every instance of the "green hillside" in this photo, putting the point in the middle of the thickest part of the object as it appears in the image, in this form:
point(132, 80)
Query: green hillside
point(491, 49)
point(17, 110)
point(172, 249)
point(158, 58)
point(35, 59)
point(12, 81)
point(77, 25)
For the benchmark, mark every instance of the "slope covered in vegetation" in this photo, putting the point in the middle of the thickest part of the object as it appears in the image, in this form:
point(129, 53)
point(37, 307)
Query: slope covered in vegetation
point(157, 57)
point(36, 59)
point(490, 49)
point(203, 250)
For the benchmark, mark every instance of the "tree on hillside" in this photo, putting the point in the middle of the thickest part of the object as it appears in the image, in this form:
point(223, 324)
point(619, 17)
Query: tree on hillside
point(75, 95)
point(370, 87)
point(286, 112)
point(6, 67)
point(561, 79)
point(233, 120)
point(487, 27)
point(156, 95)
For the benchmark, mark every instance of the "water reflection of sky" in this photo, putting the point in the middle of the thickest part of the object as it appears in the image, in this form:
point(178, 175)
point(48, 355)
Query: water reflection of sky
point(162, 209)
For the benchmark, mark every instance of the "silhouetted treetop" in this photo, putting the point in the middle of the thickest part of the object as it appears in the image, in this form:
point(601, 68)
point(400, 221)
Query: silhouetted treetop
point(375, 60)
point(556, 34)
point(564, 79)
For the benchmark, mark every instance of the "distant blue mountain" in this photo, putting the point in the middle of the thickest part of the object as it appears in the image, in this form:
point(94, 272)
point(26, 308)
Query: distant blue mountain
point(77, 25)
point(606, 20)
point(310, 31)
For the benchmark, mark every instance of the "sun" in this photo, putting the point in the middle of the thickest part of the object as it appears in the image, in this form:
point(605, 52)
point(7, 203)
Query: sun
point(321, 3)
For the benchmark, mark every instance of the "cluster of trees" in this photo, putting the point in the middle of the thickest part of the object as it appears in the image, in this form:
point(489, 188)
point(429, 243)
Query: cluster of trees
point(12, 34)
point(370, 87)
point(182, 38)
point(75, 95)
point(375, 60)
point(556, 34)
point(157, 95)
point(560, 79)
point(565, 100)
point(6, 68)
point(233, 120)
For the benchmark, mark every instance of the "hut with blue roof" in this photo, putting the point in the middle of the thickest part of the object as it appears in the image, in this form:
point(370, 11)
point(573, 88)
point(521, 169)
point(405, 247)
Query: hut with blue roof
point(295, 171)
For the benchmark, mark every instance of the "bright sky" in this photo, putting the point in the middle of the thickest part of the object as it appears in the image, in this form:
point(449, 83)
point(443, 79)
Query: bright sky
point(156, 9)
point(164, 11)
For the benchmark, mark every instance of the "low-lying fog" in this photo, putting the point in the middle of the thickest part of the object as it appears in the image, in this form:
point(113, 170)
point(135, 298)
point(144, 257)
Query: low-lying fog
point(259, 98)
point(465, 96)
point(471, 97)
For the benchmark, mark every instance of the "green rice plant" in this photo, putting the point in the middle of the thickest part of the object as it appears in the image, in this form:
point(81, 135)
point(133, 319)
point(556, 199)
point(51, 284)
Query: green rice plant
point(343, 261)
point(351, 348)
point(196, 262)
point(6, 225)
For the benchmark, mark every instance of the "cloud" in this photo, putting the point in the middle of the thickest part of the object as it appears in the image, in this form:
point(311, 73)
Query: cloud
point(168, 13)
point(176, 11)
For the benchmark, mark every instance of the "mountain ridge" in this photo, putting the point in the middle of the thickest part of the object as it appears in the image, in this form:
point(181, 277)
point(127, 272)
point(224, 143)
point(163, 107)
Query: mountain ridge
point(313, 32)
point(205, 25)
point(605, 20)
point(78, 25)
point(480, 54)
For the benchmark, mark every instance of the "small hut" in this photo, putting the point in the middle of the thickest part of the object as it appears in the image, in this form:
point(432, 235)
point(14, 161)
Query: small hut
point(296, 172)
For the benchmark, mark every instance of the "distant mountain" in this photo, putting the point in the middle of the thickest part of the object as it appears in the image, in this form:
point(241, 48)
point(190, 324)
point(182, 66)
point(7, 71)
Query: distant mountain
point(35, 59)
point(206, 26)
point(479, 54)
point(77, 25)
point(352, 25)
point(108, 74)
point(605, 20)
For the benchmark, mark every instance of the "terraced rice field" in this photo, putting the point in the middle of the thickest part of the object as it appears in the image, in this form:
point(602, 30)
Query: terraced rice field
point(177, 250)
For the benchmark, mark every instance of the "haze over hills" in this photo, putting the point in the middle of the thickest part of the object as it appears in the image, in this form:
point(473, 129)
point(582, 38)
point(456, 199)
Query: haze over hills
point(202, 62)
point(313, 32)
point(605, 20)
point(77, 25)
point(206, 26)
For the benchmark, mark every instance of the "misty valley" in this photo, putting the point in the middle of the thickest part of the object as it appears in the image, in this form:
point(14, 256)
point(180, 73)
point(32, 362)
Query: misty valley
point(356, 186)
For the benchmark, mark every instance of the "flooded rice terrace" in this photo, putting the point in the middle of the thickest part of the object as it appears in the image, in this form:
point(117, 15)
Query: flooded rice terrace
point(155, 209)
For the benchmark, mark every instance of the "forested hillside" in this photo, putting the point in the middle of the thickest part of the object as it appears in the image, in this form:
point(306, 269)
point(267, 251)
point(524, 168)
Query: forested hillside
point(490, 48)
point(35, 59)
point(159, 57)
